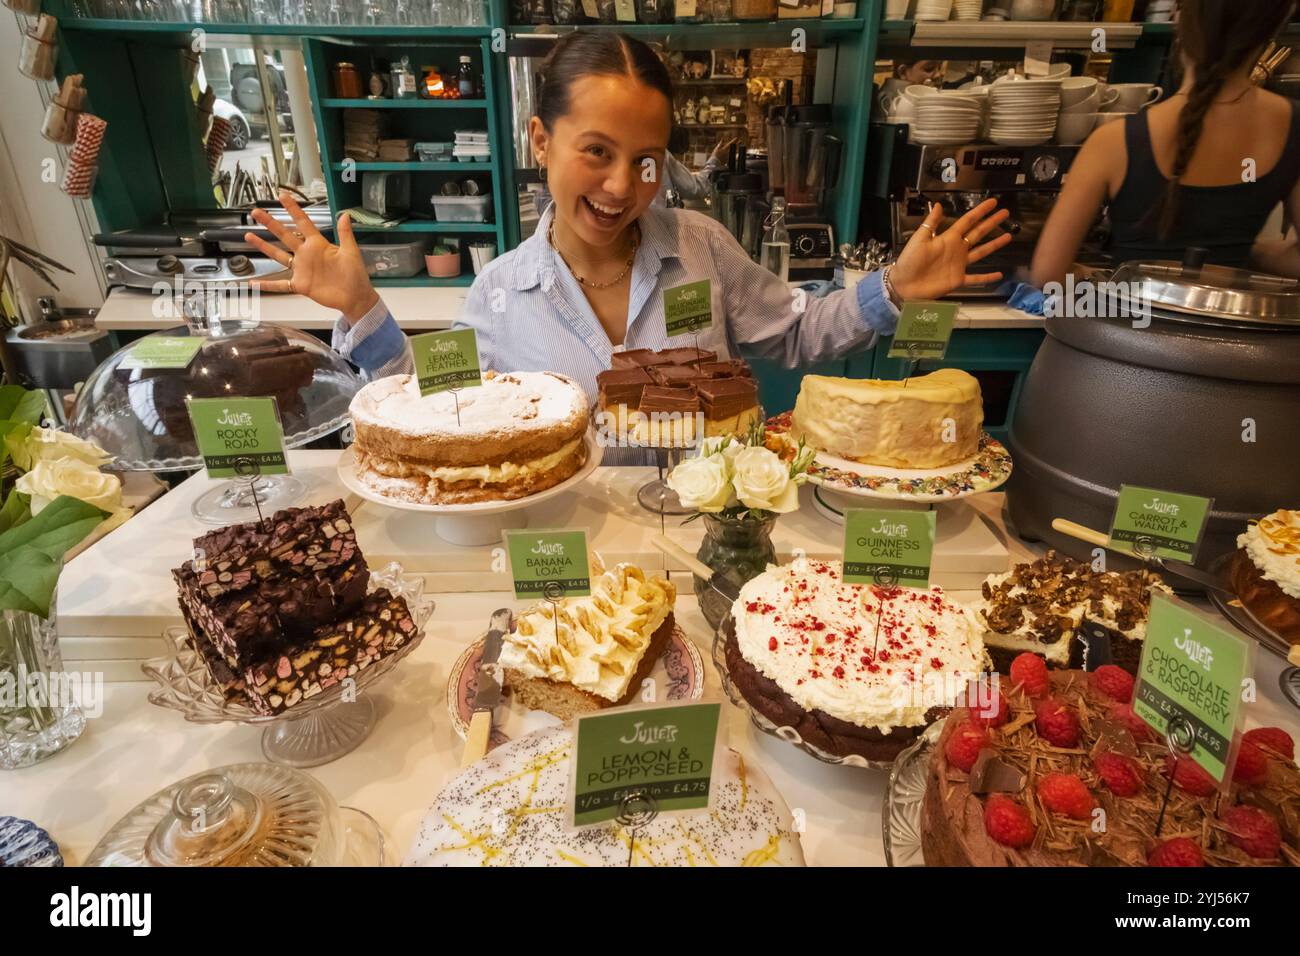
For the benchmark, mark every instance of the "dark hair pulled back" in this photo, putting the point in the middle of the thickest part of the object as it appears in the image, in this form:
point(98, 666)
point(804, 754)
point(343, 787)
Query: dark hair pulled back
point(1218, 38)
point(589, 53)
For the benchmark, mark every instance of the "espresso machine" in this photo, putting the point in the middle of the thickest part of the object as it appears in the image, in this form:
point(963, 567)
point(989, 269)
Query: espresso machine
point(904, 178)
point(803, 166)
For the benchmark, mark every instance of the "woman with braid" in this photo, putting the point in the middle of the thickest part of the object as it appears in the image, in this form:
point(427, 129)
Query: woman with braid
point(1204, 167)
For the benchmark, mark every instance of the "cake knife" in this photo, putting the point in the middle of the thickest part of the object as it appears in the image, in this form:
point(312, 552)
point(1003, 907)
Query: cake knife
point(697, 567)
point(488, 693)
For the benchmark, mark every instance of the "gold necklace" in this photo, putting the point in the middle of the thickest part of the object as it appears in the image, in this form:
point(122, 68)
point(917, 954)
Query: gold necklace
point(631, 257)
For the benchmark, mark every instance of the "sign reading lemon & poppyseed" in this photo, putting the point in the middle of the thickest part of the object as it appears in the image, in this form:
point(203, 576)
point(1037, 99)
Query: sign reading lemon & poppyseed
point(1191, 674)
point(162, 351)
point(445, 360)
point(550, 564)
point(923, 330)
point(688, 308)
point(885, 546)
point(229, 430)
point(633, 763)
point(1159, 524)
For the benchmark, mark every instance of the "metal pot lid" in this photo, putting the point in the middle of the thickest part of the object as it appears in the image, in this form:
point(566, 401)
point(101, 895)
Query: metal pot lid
point(1220, 293)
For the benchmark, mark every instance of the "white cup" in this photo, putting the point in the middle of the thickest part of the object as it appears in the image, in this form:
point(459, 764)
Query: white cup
point(1073, 128)
point(1134, 96)
point(1109, 99)
point(1092, 104)
point(1104, 118)
point(1076, 89)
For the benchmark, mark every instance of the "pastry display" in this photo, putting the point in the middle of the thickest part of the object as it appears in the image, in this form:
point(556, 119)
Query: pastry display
point(930, 421)
point(583, 654)
point(802, 648)
point(509, 810)
point(278, 610)
point(1020, 783)
point(1041, 606)
point(655, 398)
point(513, 436)
point(1265, 572)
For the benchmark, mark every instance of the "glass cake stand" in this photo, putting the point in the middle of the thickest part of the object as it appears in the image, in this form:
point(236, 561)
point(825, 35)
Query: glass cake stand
point(901, 821)
point(139, 415)
point(314, 731)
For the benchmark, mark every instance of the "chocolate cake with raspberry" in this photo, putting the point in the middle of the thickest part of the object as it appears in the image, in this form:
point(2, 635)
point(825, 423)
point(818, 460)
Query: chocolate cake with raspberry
point(1055, 769)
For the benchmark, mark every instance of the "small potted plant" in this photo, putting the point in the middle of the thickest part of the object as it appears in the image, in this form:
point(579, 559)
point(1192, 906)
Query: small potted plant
point(443, 262)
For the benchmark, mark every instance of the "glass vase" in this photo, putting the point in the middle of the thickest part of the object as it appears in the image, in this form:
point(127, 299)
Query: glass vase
point(39, 714)
point(737, 549)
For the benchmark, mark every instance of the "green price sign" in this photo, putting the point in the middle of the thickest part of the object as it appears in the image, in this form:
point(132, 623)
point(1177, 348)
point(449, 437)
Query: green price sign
point(1190, 677)
point(688, 308)
point(883, 546)
point(923, 330)
point(1159, 524)
point(637, 759)
point(549, 564)
point(162, 351)
point(231, 429)
point(446, 360)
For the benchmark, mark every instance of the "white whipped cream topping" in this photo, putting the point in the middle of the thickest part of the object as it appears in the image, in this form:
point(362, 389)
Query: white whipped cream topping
point(1273, 544)
point(600, 639)
point(814, 636)
point(513, 402)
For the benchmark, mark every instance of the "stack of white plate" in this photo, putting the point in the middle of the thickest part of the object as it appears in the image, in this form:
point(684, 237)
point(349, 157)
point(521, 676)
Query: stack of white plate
point(947, 119)
point(1024, 113)
point(933, 9)
point(967, 9)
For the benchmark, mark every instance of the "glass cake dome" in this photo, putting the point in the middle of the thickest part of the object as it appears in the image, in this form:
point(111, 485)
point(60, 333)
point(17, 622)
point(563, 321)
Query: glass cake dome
point(139, 416)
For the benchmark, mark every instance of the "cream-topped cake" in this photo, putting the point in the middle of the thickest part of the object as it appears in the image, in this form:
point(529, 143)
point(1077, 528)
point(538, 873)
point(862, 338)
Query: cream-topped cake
point(583, 654)
point(508, 809)
point(512, 436)
point(930, 421)
point(802, 648)
point(1266, 572)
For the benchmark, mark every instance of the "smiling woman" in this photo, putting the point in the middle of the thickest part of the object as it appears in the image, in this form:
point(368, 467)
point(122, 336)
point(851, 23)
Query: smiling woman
point(594, 278)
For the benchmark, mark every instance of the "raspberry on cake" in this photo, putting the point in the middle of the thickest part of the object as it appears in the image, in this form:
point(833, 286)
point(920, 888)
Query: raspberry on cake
point(513, 436)
point(1265, 572)
point(801, 648)
point(1040, 607)
point(598, 651)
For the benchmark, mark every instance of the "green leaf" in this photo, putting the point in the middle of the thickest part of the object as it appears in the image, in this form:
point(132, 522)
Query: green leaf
point(31, 553)
point(15, 437)
point(16, 510)
point(18, 404)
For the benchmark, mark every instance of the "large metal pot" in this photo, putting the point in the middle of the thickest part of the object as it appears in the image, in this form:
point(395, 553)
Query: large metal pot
point(1173, 405)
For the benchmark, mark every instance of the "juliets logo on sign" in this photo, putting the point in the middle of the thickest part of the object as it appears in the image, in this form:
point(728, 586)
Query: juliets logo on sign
point(446, 360)
point(656, 757)
point(882, 545)
point(543, 563)
point(688, 308)
point(1191, 674)
point(923, 330)
point(230, 429)
point(1159, 523)
point(162, 351)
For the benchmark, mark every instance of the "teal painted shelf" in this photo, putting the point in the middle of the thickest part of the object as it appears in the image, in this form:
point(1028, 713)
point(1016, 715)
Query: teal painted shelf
point(416, 104)
point(451, 227)
point(396, 34)
point(701, 36)
point(415, 167)
point(461, 281)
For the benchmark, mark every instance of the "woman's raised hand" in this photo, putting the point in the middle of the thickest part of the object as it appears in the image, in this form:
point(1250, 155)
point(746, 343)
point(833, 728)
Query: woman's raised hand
point(934, 263)
point(330, 275)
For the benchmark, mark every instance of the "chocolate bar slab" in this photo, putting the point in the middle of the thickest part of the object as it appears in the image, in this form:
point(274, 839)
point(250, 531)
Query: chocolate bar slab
point(732, 368)
point(687, 356)
point(638, 358)
point(675, 376)
point(622, 386)
point(727, 397)
point(658, 399)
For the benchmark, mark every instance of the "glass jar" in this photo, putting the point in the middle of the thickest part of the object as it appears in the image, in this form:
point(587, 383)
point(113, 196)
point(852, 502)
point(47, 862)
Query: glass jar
point(737, 549)
point(347, 81)
point(39, 711)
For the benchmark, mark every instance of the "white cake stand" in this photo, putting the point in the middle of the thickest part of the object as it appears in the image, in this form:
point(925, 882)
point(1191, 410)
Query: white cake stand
point(470, 525)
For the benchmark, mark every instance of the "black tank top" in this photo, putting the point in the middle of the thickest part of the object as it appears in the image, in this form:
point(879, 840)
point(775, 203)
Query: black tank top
point(1222, 219)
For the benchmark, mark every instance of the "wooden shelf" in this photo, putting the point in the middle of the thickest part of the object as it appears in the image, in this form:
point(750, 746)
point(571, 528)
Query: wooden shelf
point(415, 167)
point(334, 102)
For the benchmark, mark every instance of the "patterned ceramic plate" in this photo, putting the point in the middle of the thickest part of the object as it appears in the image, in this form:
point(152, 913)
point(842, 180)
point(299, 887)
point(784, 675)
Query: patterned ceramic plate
point(23, 843)
point(680, 669)
point(989, 468)
point(902, 817)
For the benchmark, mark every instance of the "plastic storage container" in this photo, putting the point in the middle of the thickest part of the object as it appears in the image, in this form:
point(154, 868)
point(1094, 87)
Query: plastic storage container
point(389, 257)
point(462, 208)
point(386, 194)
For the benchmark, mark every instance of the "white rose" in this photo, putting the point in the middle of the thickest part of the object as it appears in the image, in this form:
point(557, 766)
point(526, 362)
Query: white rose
point(49, 444)
point(763, 481)
point(701, 484)
point(74, 478)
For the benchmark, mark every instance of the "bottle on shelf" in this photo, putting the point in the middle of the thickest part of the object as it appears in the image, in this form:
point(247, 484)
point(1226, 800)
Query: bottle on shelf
point(466, 82)
point(775, 253)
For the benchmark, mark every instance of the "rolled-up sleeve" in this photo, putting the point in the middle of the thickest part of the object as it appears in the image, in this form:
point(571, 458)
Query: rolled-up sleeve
point(770, 320)
point(374, 343)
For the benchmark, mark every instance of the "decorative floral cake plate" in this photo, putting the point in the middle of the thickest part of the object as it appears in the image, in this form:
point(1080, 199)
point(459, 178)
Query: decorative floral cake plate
point(986, 470)
point(678, 674)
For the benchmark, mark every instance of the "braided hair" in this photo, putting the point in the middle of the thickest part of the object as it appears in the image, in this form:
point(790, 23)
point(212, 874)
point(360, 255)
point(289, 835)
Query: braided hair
point(1218, 39)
